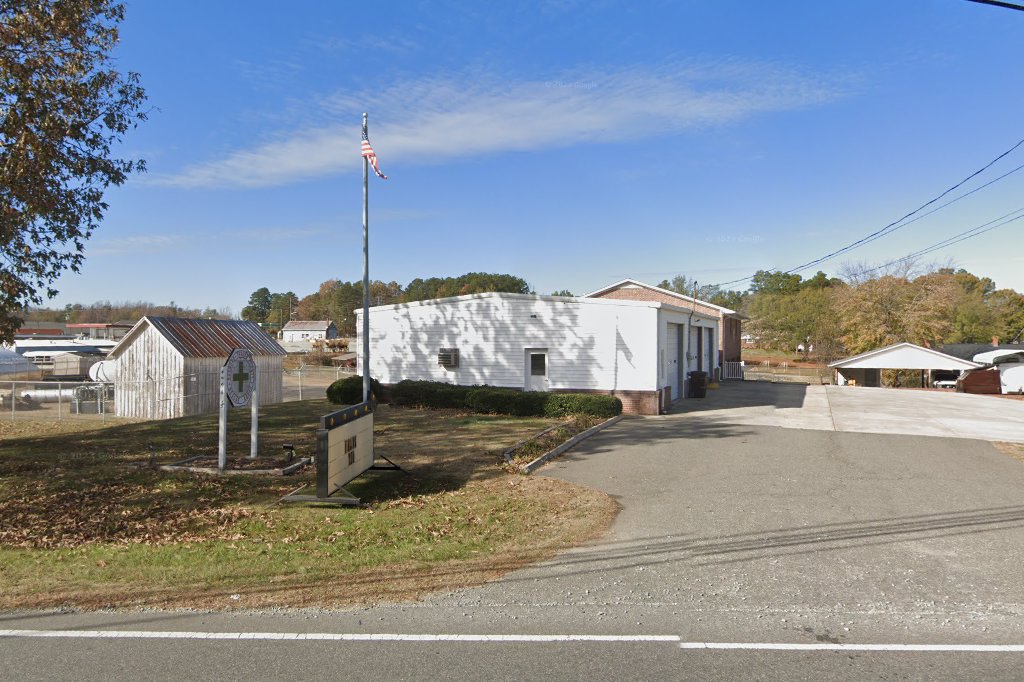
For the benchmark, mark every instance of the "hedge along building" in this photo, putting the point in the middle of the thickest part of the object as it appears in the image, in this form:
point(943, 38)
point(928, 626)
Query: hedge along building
point(635, 350)
point(169, 367)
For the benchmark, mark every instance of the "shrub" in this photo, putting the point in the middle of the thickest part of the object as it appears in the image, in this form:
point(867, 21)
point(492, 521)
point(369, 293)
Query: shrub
point(491, 400)
point(507, 401)
point(566, 404)
point(432, 394)
point(349, 391)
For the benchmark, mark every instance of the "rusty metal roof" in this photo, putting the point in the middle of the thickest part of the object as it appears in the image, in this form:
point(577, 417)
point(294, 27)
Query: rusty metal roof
point(206, 338)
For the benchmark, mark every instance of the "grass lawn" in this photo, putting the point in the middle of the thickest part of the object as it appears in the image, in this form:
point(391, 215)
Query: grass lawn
point(86, 521)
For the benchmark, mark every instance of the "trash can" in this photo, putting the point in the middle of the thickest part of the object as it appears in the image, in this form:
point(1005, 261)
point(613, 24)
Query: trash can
point(698, 384)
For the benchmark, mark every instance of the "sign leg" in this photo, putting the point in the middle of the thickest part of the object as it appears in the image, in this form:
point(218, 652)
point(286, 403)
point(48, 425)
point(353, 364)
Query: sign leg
point(254, 438)
point(222, 439)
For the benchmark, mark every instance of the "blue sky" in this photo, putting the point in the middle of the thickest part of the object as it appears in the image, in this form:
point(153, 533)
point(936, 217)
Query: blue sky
point(571, 143)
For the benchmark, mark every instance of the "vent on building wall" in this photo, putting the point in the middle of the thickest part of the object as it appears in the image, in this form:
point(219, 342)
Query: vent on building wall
point(448, 358)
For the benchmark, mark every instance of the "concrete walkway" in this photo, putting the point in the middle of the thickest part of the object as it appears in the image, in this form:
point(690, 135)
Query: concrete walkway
point(860, 409)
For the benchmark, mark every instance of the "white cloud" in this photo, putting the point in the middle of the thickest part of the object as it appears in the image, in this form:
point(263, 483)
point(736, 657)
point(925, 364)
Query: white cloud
point(436, 119)
point(135, 244)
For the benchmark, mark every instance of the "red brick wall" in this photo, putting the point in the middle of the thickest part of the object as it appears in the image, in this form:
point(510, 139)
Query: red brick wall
point(633, 402)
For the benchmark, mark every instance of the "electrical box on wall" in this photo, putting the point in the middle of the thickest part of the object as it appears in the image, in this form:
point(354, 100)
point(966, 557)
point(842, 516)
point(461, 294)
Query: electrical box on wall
point(448, 358)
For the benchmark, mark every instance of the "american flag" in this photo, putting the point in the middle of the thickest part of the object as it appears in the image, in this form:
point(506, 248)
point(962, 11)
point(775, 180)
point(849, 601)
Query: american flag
point(368, 153)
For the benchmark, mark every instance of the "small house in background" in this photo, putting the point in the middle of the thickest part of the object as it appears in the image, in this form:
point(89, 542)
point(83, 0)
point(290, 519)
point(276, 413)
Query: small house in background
point(866, 369)
point(308, 330)
point(639, 351)
point(1003, 366)
point(729, 321)
point(169, 367)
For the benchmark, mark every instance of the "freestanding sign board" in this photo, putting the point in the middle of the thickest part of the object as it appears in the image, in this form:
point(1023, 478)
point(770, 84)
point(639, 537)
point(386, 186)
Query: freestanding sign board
point(241, 377)
point(344, 447)
point(239, 386)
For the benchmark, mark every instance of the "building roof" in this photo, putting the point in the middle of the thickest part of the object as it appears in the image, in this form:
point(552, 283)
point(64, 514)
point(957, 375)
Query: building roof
point(204, 338)
point(564, 300)
point(307, 326)
point(684, 299)
point(904, 356)
point(967, 351)
point(993, 357)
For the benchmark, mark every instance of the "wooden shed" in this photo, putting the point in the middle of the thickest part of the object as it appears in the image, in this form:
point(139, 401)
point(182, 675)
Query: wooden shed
point(170, 367)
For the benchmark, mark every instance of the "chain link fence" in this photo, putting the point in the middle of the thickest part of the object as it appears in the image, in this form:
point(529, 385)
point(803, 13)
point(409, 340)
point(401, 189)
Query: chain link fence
point(60, 400)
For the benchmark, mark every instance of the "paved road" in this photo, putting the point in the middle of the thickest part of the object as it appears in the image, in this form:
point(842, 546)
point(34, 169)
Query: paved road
point(863, 410)
point(731, 531)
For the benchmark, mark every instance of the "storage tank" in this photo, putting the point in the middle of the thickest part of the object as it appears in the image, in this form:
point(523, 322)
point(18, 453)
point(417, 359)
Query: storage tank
point(103, 371)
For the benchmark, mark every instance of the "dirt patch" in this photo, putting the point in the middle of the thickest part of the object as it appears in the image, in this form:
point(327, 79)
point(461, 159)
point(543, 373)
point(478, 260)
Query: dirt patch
point(1012, 449)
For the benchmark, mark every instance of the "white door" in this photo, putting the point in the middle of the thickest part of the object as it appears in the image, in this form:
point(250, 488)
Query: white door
point(536, 369)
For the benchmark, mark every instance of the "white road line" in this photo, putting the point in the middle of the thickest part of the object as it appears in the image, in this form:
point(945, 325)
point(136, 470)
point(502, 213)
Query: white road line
point(536, 639)
point(328, 636)
point(826, 646)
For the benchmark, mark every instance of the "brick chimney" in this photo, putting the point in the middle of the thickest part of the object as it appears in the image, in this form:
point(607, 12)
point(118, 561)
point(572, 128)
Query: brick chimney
point(995, 341)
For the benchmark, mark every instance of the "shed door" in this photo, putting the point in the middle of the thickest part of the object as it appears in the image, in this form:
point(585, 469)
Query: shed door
point(536, 369)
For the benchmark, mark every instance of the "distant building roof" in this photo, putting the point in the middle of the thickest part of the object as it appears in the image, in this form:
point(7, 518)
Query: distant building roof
point(205, 338)
point(100, 325)
point(307, 326)
point(967, 351)
point(686, 300)
point(992, 357)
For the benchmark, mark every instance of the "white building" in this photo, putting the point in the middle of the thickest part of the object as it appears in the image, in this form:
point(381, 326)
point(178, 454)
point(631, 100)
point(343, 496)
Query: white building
point(640, 351)
point(308, 330)
point(170, 367)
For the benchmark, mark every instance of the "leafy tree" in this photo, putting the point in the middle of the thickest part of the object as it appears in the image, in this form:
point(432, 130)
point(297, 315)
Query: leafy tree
point(258, 308)
point(63, 110)
point(470, 283)
point(562, 292)
point(681, 284)
point(281, 308)
point(734, 300)
point(337, 301)
point(1008, 309)
point(820, 281)
point(774, 282)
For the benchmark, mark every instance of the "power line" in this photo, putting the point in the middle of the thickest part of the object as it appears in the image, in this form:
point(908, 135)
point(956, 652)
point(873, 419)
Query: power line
point(999, 3)
point(955, 239)
point(901, 222)
point(891, 227)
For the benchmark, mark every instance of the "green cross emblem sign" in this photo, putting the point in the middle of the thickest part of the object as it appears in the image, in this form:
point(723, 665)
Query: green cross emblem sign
point(240, 370)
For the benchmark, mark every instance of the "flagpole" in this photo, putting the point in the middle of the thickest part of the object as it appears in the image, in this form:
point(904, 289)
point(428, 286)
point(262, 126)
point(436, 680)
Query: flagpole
point(366, 272)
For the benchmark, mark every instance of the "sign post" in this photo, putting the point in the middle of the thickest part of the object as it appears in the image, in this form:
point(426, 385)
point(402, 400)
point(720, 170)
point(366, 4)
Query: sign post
point(239, 385)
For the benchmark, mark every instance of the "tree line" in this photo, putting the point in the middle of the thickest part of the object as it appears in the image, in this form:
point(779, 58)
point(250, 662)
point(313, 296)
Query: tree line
point(337, 301)
point(124, 311)
point(852, 314)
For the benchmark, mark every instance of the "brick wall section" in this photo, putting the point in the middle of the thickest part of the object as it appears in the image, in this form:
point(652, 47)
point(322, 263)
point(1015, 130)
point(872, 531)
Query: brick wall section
point(633, 402)
point(728, 327)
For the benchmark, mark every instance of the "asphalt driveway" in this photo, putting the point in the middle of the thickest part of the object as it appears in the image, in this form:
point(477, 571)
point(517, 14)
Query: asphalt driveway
point(863, 410)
